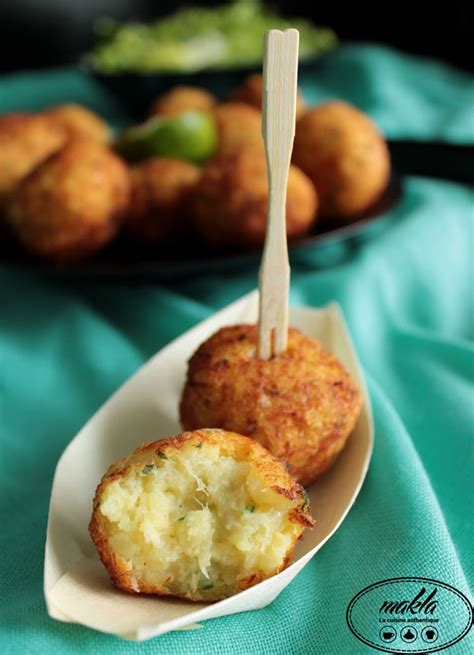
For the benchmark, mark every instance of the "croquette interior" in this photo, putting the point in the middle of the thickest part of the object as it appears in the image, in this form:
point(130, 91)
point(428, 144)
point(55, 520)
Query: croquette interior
point(197, 523)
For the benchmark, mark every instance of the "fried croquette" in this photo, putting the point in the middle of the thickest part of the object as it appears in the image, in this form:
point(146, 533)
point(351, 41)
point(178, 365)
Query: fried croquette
point(202, 516)
point(345, 155)
point(71, 204)
point(160, 190)
point(301, 405)
point(238, 125)
point(25, 141)
point(229, 204)
point(251, 93)
point(79, 122)
point(181, 99)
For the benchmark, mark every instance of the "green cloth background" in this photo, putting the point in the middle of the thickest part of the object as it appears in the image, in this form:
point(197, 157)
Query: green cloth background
point(407, 295)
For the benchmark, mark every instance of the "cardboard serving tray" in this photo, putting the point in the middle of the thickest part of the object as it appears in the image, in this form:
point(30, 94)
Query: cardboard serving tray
point(76, 585)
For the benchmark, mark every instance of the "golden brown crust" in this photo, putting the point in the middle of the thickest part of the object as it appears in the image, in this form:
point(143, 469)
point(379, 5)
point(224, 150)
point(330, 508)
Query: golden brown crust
point(269, 468)
point(71, 204)
point(229, 204)
point(183, 98)
point(345, 155)
point(79, 122)
point(238, 126)
point(25, 141)
point(301, 405)
point(250, 92)
point(160, 192)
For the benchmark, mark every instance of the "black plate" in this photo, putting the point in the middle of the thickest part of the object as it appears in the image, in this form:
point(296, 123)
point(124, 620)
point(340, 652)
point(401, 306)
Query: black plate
point(328, 244)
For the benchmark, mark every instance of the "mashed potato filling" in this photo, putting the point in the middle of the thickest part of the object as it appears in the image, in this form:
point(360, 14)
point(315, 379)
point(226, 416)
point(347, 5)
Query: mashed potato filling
point(197, 521)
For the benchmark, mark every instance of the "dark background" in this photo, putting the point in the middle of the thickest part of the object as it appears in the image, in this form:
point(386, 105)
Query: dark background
point(39, 33)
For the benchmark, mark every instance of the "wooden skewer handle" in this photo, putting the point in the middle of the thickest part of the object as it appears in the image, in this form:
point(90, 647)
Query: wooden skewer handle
point(278, 127)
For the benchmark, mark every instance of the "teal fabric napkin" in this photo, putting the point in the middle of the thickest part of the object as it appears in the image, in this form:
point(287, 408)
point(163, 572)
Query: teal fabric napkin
point(407, 295)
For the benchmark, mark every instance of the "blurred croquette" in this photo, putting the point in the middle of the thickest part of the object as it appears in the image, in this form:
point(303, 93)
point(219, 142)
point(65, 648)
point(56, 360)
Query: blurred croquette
point(238, 125)
point(181, 99)
point(25, 141)
point(250, 92)
point(301, 405)
point(79, 122)
point(71, 204)
point(201, 516)
point(229, 204)
point(160, 192)
point(342, 151)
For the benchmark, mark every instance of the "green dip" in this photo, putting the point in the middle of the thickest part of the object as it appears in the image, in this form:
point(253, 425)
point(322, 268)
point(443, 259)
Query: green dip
point(197, 38)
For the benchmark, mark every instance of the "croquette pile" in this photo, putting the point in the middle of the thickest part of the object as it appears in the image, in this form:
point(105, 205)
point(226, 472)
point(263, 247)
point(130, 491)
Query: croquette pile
point(201, 516)
point(65, 192)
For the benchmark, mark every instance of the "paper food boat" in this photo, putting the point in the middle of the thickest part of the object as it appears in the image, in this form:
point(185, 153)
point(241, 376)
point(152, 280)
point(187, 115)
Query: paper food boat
point(76, 585)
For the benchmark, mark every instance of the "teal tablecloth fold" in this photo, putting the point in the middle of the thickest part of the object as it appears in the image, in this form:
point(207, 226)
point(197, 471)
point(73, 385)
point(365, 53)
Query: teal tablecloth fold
point(407, 295)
